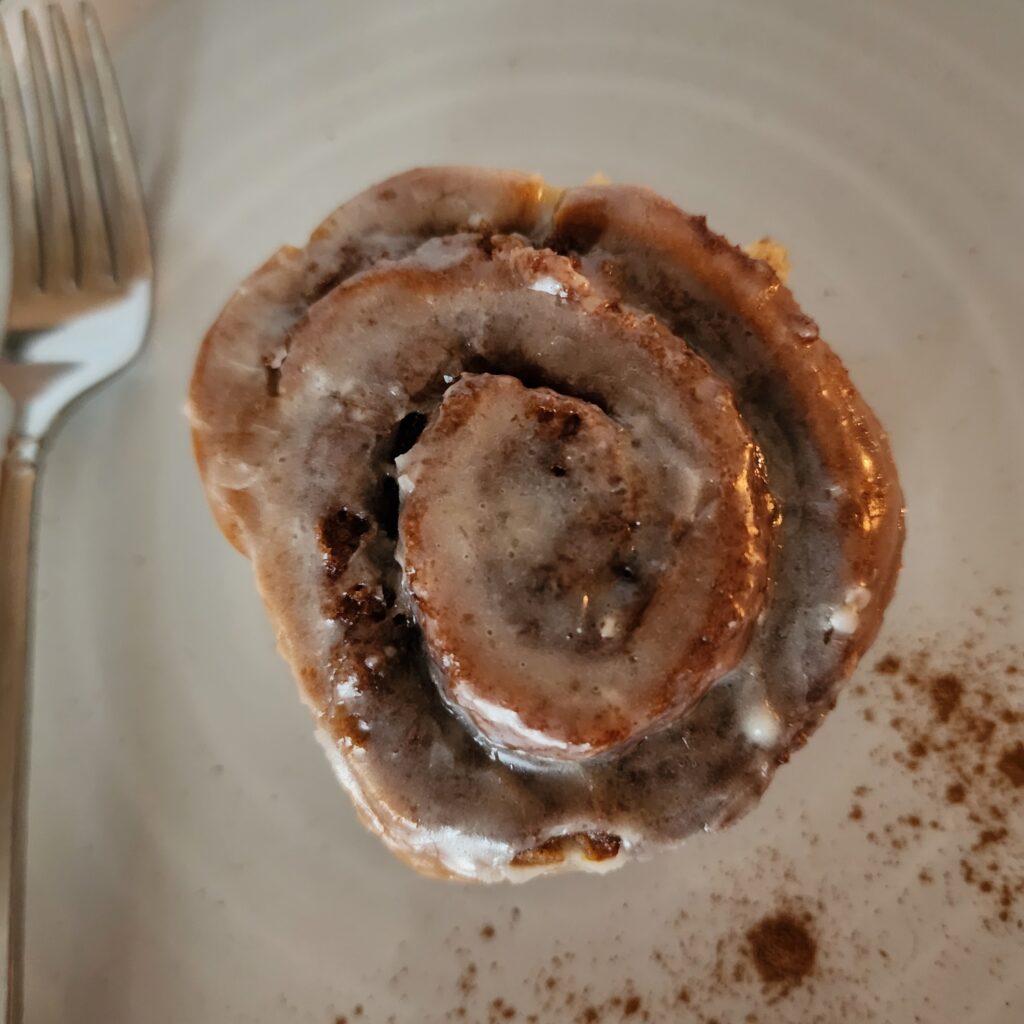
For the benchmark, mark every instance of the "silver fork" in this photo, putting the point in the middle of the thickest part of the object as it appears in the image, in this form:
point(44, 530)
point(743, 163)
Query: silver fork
point(81, 285)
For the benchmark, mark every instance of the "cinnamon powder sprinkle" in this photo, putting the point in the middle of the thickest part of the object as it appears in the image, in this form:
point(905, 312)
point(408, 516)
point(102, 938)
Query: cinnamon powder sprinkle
point(1011, 764)
point(945, 691)
point(783, 950)
point(957, 717)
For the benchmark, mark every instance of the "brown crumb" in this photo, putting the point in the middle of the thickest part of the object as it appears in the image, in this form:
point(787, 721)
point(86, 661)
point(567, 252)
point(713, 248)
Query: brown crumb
point(774, 253)
point(889, 665)
point(856, 812)
point(487, 932)
point(631, 1006)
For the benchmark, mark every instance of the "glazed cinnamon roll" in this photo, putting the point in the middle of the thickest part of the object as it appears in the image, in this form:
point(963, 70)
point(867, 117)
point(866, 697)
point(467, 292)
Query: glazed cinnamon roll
point(569, 522)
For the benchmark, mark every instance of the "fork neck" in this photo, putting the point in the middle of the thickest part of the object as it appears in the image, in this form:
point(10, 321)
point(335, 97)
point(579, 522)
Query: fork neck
point(22, 450)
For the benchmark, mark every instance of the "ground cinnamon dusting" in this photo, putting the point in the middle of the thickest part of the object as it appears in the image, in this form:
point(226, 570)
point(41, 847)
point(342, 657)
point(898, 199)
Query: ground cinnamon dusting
point(958, 719)
point(946, 692)
point(783, 950)
point(1011, 764)
point(467, 980)
point(888, 666)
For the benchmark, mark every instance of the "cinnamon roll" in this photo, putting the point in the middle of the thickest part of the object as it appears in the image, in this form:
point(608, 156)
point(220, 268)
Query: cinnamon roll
point(570, 524)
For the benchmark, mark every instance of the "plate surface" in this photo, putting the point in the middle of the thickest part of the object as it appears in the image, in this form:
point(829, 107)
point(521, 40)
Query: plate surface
point(191, 856)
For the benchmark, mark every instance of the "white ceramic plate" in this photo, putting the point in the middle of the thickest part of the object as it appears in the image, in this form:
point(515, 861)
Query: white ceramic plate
point(191, 857)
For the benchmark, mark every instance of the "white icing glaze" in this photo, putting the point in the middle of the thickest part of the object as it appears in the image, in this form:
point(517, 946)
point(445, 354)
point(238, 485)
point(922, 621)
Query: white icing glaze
point(761, 724)
point(846, 618)
point(550, 286)
point(507, 719)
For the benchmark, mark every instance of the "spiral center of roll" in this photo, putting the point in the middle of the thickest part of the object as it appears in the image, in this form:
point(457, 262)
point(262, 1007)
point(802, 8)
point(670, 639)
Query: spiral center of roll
point(536, 533)
point(554, 513)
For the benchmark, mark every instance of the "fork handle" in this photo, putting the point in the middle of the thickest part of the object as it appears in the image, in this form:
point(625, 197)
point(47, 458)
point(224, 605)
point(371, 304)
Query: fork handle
point(17, 494)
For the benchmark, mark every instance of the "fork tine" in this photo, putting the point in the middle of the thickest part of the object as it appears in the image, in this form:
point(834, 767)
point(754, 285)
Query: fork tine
point(26, 255)
point(55, 210)
point(93, 237)
point(128, 213)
